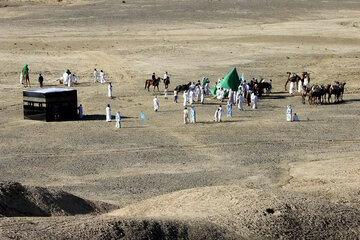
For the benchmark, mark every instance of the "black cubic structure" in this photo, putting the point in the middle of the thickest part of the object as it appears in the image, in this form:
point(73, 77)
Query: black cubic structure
point(50, 104)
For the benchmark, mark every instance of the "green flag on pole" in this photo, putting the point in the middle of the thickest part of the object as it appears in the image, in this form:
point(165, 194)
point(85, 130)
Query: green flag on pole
point(230, 81)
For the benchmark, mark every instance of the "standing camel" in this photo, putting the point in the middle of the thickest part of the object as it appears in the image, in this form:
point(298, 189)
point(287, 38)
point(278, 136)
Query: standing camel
point(292, 78)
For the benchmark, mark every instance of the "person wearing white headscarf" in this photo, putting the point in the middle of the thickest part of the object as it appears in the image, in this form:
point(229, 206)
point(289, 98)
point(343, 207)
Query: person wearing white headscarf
point(70, 80)
point(102, 76)
point(65, 78)
point(220, 112)
point(110, 90)
point(185, 96)
point(231, 95)
point(254, 99)
point(75, 78)
point(207, 88)
point(198, 92)
point(96, 75)
point(156, 104)
point(222, 94)
point(186, 116)
point(291, 89)
point(192, 115)
point(108, 113)
point(202, 95)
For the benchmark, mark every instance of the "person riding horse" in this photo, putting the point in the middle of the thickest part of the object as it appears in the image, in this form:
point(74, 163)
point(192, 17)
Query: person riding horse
point(166, 79)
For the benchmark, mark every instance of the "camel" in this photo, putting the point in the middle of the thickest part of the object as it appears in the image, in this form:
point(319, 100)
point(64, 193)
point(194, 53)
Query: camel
point(315, 94)
point(337, 89)
point(292, 78)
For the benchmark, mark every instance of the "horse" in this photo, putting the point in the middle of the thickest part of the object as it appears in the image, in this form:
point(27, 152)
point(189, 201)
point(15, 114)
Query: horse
point(183, 87)
point(292, 78)
point(261, 86)
point(166, 82)
point(150, 82)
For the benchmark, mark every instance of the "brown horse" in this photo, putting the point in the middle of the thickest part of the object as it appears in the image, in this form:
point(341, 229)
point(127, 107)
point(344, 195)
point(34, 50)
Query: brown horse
point(292, 78)
point(166, 82)
point(150, 82)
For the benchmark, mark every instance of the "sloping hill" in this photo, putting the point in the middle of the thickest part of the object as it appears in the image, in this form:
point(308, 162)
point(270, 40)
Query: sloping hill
point(251, 212)
point(18, 200)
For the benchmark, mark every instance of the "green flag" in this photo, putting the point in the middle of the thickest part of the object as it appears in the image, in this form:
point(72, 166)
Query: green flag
point(231, 81)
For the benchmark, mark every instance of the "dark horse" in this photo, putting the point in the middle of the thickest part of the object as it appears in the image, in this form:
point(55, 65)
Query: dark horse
point(150, 82)
point(181, 88)
point(166, 82)
point(259, 87)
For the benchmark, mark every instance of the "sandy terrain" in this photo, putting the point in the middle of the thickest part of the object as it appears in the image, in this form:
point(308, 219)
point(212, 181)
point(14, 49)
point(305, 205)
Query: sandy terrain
point(146, 160)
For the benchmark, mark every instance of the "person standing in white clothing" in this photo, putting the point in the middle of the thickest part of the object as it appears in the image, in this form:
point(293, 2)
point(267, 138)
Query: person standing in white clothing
point(156, 104)
point(108, 113)
point(186, 116)
point(102, 77)
point(96, 76)
point(185, 96)
point(110, 90)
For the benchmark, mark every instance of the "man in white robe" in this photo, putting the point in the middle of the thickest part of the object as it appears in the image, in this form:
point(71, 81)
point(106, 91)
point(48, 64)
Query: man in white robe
point(108, 113)
point(156, 104)
point(166, 93)
point(110, 90)
point(192, 96)
point(231, 95)
point(185, 96)
point(241, 102)
point(75, 78)
point(218, 93)
point(220, 112)
point(207, 88)
point(65, 78)
point(186, 116)
point(234, 97)
point(192, 115)
point(254, 99)
point(102, 76)
point(202, 95)
point(198, 92)
point(291, 89)
point(175, 96)
point(70, 80)
point(216, 115)
point(300, 85)
point(222, 94)
point(96, 75)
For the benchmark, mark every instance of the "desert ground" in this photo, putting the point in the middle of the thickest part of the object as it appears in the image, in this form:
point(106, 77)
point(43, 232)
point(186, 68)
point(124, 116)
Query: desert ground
point(253, 176)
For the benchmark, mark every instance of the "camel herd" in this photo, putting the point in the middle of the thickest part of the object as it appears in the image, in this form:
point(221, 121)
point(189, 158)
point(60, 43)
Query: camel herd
point(317, 94)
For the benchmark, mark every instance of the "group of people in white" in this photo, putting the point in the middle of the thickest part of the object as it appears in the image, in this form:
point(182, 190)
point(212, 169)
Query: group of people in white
point(69, 79)
point(197, 92)
point(102, 76)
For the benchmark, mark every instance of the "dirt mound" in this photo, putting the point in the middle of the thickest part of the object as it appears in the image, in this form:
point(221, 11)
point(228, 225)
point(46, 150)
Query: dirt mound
point(251, 213)
point(99, 227)
point(18, 200)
